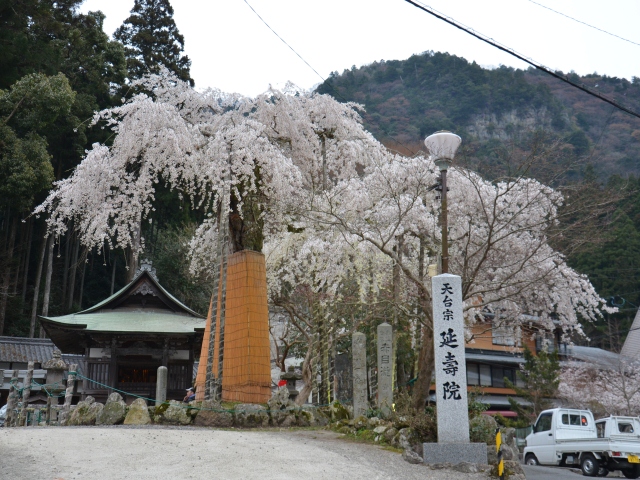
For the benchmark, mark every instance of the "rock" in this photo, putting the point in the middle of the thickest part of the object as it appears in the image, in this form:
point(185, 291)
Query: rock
point(380, 430)
point(492, 455)
point(281, 409)
point(466, 467)
point(113, 412)
point(138, 413)
point(304, 418)
point(347, 430)
point(440, 466)
point(211, 414)
point(389, 434)
point(320, 418)
point(412, 457)
point(360, 422)
point(176, 414)
point(513, 467)
point(279, 399)
point(403, 438)
point(338, 412)
point(418, 448)
point(373, 422)
point(85, 412)
point(401, 422)
point(250, 415)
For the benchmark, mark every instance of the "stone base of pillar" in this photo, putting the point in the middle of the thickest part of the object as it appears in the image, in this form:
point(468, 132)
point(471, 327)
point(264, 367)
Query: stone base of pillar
point(454, 452)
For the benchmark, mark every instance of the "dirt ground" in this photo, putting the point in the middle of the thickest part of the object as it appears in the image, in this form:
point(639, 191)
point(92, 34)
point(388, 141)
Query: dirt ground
point(156, 452)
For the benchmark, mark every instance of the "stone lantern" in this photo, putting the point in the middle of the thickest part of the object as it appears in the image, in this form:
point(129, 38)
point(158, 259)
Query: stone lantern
point(55, 368)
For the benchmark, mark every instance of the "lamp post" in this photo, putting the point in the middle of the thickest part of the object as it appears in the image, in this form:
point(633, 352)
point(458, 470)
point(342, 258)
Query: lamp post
point(442, 146)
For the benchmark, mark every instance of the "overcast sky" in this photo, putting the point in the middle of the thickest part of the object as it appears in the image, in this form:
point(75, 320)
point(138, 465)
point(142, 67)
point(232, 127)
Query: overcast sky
point(231, 49)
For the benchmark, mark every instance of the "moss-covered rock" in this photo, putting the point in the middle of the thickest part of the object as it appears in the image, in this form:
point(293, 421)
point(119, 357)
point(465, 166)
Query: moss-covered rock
point(212, 414)
point(113, 412)
point(138, 413)
point(175, 414)
point(338, 412)
point(249, 415)
point(85, 412)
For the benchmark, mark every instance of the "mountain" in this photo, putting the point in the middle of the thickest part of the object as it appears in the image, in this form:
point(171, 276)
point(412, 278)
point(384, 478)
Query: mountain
point(406, 100)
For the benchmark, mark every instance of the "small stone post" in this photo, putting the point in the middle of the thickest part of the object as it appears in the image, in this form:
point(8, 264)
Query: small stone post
point(12, 400)
point(359, 352)
point(26, 393)
point(68, 396)
point(161, 385)
point(385, 373)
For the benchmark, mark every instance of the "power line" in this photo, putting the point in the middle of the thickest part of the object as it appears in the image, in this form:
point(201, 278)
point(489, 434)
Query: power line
point(324, 80)
point(585, 23)
point(513, 53)
point(283, 41)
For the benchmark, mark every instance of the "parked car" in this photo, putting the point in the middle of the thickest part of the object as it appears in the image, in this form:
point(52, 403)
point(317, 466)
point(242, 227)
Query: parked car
point(566, 437)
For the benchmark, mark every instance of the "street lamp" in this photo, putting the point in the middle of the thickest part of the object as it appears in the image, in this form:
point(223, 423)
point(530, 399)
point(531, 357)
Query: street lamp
point(442, 146)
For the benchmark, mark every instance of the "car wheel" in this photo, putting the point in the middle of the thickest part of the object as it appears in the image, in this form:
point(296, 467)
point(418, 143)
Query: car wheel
point(632, 472)
point(589, 465)
point(531, 459)
point(603, 472)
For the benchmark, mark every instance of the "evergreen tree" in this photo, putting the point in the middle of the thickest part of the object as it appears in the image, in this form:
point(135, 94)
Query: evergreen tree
point(152, 40)
point(539, 384)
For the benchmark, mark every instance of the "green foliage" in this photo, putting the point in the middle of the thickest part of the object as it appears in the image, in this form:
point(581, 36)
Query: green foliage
point(152, 40)
point(27, 109)
point(482, 429)
point(540, 381)
point(169, 256)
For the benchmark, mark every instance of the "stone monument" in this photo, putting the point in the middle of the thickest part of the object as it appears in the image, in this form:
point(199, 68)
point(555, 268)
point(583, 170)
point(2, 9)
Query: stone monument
point(359, 352)
point(385, 368)
point(161, 385)
point(451, 377)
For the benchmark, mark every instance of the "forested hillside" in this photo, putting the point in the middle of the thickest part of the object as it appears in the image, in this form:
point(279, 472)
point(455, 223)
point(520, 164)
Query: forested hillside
point(406, 100)
point(504, 115)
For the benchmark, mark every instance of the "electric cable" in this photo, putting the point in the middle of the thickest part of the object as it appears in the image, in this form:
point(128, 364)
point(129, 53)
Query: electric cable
point(585, 23)
point(513, 53)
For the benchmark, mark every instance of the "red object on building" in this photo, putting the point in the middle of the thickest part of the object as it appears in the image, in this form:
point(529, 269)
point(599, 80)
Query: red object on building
point(282, 383)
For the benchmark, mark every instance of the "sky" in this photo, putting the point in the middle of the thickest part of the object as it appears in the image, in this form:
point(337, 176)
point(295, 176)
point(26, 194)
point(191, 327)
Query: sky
point(232, 49)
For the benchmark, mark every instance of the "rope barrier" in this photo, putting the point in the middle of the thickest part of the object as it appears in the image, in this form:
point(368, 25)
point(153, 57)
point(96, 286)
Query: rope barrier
point(193, 407)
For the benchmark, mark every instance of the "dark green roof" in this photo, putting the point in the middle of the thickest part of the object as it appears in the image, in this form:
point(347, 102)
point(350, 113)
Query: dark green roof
point(141, 307)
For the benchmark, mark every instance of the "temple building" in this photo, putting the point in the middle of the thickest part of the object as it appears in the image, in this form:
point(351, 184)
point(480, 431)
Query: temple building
point(125, 338)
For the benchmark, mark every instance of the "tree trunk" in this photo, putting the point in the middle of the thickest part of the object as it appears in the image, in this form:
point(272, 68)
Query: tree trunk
point(6, 275)
point(72, 275)
point(113, 275)
point(36, 289)
point(65, 269)
point(25, 275)
point(425, 370)
point(47, 283)
point(133, 254)
point(84, 269)
point(307, 378)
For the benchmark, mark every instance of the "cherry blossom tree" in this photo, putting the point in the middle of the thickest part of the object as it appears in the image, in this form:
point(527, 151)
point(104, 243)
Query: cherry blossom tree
point(611, 388)
point(302, 180)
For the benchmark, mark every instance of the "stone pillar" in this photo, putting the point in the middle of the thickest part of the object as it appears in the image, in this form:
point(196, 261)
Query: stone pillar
point(12, 400)
point(385, 368)
point(359, 352)
point(161, 385)
point(26, 393)
point(451, 377)
point(68, 396)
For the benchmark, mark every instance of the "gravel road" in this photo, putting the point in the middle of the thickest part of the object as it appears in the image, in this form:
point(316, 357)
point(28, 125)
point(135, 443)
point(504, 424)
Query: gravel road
point(114, 453)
